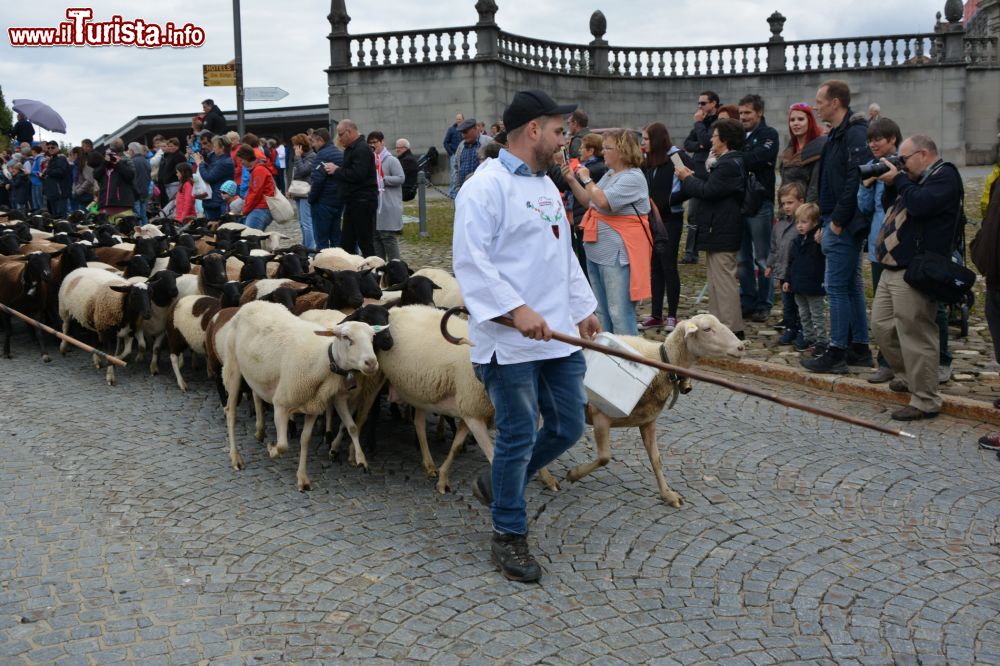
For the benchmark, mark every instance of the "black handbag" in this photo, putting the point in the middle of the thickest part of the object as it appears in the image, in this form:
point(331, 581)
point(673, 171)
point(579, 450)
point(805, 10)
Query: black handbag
point(937, 276)
point(658, 236)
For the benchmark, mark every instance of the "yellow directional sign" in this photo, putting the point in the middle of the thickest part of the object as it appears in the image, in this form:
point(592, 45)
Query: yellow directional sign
point(219, 75)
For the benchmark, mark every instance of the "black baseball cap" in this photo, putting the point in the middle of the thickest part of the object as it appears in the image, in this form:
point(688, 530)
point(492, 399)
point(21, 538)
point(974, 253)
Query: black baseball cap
point(530, 104)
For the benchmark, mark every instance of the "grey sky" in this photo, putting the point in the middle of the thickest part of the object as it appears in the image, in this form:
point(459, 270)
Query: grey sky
point(98, 90)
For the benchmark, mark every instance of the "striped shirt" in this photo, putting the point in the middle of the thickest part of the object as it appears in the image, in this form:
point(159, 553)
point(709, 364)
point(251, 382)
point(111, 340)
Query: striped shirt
point(623, 189)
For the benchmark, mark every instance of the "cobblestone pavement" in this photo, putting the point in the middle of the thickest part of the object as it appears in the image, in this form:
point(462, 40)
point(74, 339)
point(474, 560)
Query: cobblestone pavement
point(126, 537)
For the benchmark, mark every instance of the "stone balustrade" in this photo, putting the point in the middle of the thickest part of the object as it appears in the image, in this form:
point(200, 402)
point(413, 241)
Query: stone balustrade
point(412, 47)
point(982, 52)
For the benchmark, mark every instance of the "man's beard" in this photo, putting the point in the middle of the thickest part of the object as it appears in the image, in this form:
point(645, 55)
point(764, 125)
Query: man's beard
point(544, 159)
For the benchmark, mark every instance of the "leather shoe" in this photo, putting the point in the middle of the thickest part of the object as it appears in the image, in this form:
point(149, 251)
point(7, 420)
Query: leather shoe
point(511, 555)
point(990, 442)
point(899, 386)
point(909, 413)
point(760, 316)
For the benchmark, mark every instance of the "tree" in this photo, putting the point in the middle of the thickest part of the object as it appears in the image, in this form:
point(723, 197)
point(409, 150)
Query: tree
point(6, 122)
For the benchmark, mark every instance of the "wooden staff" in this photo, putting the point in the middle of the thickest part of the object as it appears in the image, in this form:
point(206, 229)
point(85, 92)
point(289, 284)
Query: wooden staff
point(62, 336)
point(686, 372)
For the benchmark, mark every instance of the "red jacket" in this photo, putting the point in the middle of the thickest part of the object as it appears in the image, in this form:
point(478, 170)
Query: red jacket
point(261, 185)
point(185, 202)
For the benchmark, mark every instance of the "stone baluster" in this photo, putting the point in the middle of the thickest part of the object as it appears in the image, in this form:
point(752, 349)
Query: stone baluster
point(599, 45)
point(487, 31)
point(776, 44)
point(340, 40)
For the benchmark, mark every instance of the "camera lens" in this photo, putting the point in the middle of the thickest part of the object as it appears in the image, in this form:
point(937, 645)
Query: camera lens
point(872, 170)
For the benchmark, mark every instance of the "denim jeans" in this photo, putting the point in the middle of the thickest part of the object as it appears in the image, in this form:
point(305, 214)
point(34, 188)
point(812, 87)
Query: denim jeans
point(37, 200)
point(452, 192)
point(326, 225)
point(844, 288)
point(140, 211)
point(756, 291)
point(306, 223)
point(258, 218)
point(615, 309)
point(519, 391)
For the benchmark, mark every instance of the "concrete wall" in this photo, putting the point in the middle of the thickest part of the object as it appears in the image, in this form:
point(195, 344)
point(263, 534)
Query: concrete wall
point(420, 101)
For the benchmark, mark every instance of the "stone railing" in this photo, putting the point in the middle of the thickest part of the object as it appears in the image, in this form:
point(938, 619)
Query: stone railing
point(862, 52)
point(412, 47)
point(543, 55)
point(687, 60)
point(982, 52)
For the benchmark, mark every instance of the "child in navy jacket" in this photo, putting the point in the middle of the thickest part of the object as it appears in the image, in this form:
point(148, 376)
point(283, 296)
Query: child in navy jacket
point(806, 266)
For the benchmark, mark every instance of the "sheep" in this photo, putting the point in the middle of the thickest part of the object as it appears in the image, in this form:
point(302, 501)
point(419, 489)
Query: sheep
point(337, 259)
point(188, 323)
point(9, 245)
point(178, 260)
point(162, 295)
point(394, 273)
point(104, 303)
point(22, 282)
point(414, 290)
point(432, 375)
point(270, 240)
point(450, 295)
point(342, 290)
point(285, 362)
point(702, 336)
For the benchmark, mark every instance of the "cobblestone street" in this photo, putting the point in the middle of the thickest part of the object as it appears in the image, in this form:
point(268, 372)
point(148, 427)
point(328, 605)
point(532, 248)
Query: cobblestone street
point(126, 537)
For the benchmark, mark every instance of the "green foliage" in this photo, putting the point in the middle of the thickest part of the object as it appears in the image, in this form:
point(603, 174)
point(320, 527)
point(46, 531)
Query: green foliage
point(6, 122)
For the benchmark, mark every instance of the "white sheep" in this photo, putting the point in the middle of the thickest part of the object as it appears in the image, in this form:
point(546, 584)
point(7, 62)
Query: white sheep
point(702, 336)
point(450, 295)
point(287, 363)
point(431, 374)
point(103, 302)
point(337, 259)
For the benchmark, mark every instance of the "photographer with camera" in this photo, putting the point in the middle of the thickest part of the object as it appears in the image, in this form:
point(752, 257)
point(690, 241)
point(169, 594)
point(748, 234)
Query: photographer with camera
point(874, 198)
point(922, 220)
point(115, 178)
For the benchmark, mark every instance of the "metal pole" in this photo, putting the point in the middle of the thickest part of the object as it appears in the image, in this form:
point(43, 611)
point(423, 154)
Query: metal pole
point(422, 202)
point(238, 39)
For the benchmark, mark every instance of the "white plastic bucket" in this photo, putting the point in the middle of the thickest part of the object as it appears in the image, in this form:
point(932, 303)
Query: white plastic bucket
point(613, 384)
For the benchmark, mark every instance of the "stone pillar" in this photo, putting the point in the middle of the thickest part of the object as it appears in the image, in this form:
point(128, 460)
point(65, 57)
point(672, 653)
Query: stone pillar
point(340, 62)
point(599, 45)
point(776, 45)
point(487, 31)
point(952, 33)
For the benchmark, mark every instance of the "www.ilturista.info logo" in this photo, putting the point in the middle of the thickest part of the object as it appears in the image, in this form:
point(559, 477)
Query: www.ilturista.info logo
point(80, 30)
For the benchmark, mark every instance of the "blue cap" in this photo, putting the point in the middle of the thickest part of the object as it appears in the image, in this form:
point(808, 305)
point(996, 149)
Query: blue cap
point(228, 187)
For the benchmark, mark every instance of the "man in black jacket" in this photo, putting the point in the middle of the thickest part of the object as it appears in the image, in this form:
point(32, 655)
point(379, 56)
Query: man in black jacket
point(844, 230)
point(358, 186)
point(410, 168)
point(325, 203)
point(213, 120)
point(903, 319)
point(698, 144)
point(760, 152)
point(56, 180)
point(116, 177)
point(22, 131)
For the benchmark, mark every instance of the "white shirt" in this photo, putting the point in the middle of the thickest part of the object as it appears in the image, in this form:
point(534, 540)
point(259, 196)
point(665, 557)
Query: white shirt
point(280, 159)
point(506, 253)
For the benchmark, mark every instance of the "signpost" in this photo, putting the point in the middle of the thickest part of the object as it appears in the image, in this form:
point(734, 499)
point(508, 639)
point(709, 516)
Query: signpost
point(219, 75)
point(264, 94)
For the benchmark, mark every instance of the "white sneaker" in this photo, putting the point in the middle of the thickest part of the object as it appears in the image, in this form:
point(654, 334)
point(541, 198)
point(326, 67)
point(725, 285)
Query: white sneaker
point(944, 373)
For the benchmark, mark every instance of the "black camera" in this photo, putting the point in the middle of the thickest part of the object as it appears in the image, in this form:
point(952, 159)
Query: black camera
point(876, 169)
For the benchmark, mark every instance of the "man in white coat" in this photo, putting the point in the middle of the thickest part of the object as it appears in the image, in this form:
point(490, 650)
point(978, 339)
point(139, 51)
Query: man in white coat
point(513, 258)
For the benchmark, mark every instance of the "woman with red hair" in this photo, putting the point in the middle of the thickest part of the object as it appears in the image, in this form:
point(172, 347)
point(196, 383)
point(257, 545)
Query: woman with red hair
point(800, 161)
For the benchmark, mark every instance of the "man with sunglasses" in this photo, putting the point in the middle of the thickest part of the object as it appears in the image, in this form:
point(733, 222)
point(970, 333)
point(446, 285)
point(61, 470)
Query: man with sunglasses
point(698, 144)
point(923, 219)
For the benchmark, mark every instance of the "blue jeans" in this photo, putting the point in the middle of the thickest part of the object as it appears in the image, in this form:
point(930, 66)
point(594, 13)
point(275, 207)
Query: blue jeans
point(615, 309)
point(306, 223)
point(844, 288)
point(756, 291)
point(258, 218)
point(520, 391)
point(37, 200)
point(326, 225)
point(451, 176)
point(140, 211)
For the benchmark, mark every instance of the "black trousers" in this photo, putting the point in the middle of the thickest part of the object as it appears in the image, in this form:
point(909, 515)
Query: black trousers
point(665, 277)
point(358, 229)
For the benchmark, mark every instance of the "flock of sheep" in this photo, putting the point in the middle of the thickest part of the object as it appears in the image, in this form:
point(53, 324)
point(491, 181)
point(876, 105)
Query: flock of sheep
point(308, 333)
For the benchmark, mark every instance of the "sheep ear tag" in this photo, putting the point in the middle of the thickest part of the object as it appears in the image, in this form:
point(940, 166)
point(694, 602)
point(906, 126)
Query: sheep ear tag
point(325, 334)
point(690, 328)
point(378, 329)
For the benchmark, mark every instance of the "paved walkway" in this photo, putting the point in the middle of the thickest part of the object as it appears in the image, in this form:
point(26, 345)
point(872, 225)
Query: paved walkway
point(126, 537)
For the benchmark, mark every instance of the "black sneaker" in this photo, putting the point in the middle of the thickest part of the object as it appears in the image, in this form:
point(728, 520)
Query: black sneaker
point(511, 555)
point(482, 487)
point(859, 354)
point(832, 361)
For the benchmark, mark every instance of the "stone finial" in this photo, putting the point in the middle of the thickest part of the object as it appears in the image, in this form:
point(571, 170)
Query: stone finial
point(777, 23)
point(953, 10)
point(487, 12)
point(598, 25)
point(338, 17)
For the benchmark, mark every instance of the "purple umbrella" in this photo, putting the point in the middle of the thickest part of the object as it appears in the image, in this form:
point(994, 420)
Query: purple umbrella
point(41, 114)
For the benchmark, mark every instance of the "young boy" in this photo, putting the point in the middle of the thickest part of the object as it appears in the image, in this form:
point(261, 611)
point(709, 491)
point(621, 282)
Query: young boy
point(806, 266)
point(792, 195)
point(20, 187)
